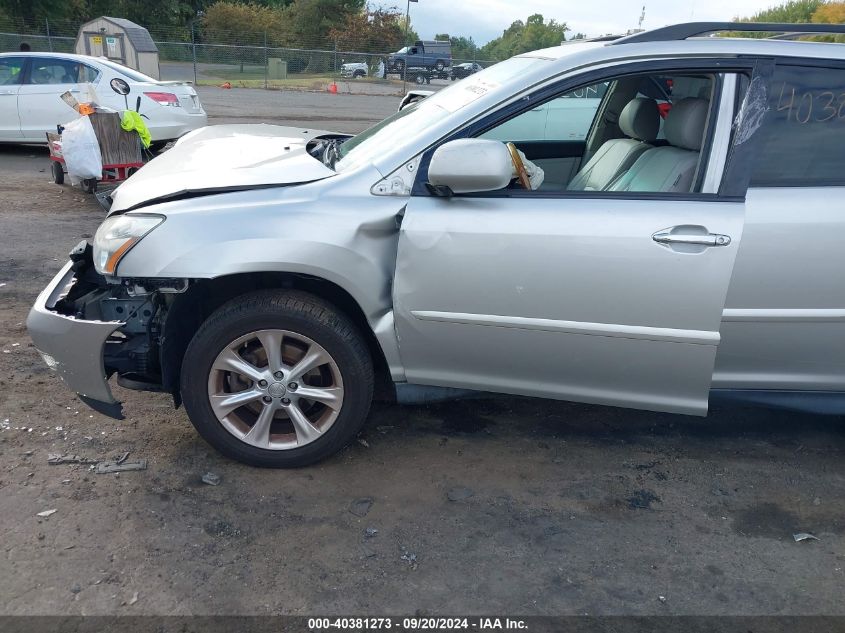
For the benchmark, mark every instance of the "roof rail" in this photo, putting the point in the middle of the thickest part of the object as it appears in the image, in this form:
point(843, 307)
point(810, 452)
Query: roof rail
point(677, 32)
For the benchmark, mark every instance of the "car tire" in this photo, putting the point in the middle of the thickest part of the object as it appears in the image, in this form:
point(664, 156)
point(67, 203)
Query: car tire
point(89, 185)
point(358, 75)
point(58, 172)
point(440, 65)
point(420, 79)
point(298, 316)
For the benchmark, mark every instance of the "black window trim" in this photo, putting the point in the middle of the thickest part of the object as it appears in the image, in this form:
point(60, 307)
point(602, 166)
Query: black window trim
point(735, 193)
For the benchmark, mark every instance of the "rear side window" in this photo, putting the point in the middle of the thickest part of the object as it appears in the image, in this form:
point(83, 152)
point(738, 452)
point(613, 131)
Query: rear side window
point(60, 71)
point(11, 70)
point(803, 135)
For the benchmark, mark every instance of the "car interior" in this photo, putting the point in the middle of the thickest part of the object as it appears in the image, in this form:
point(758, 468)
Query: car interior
point(644, 134)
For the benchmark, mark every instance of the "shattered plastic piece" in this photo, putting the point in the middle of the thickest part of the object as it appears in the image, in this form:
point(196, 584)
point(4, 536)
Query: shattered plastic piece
point(46, 513)
point(114, 467)
point(122, 458)
point(58, 458)
point(211, 479)
point(662, 599)
point(409, 557)
point(363, 442)
point(370, 532)
point(804, 536)
point(134, 598)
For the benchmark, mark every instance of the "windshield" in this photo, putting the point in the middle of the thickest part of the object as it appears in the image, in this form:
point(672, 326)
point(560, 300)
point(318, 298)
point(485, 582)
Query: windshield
point(414, 119)
point(134, 75)
point(401, 51)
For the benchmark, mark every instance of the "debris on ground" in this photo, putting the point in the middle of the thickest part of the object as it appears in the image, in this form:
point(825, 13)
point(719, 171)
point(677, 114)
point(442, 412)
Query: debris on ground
point(409, 557)
point(115, 467)
point(459, 493)
point(370, 532)
point(76, 588)
point(59, 458)
point(122, 458)
point(211, 479)
point(363, 442)
point(804, 536)
point(360, 507)
point(46, 513)
point(662, 599)
point(134, 598)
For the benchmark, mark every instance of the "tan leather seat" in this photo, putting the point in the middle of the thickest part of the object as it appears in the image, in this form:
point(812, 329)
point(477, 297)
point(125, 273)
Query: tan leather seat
point(672, 168)
point(640, 121)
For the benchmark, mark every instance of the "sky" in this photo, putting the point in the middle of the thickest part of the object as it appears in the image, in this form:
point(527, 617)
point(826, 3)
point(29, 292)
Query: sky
point(486, 19)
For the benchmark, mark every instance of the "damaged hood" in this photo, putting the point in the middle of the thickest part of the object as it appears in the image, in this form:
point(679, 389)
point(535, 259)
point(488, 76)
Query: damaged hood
point(221, 158)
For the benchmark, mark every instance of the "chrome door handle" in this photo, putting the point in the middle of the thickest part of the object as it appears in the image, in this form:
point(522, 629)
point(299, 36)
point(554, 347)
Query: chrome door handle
point(709, 239)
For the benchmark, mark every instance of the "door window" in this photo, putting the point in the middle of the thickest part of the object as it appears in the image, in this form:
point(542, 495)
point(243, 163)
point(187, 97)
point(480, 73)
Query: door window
point(803, 134)
point(60, 71)
point(637, 144)
point(566, 118)
point(11, 69)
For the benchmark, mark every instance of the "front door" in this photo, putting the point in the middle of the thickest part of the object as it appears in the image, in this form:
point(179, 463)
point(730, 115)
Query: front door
point(604, 297)
point(11, 73)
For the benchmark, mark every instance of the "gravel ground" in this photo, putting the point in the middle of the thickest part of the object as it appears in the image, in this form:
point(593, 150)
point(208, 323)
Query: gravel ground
point(505, 505)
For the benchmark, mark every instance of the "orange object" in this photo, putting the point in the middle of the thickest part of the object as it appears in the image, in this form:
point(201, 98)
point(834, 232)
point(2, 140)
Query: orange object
point(226, 86)
point(333, 88)
point(85, 109)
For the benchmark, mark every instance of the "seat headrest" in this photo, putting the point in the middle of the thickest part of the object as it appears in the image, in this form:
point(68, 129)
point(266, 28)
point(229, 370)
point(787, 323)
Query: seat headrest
point(685, 123)
point(640, 119)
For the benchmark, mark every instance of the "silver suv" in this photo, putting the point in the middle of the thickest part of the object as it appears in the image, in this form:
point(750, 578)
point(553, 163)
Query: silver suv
point(686, 243)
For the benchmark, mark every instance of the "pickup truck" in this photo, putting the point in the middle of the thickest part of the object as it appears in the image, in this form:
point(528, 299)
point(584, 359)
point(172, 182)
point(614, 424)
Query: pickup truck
point(430, 54)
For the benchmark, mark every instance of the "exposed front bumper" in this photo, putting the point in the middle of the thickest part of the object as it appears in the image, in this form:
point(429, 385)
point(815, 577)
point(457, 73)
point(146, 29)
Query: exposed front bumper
point(70, 346)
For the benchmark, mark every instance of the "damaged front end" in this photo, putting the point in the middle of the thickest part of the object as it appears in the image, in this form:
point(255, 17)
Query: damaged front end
point(87, 329)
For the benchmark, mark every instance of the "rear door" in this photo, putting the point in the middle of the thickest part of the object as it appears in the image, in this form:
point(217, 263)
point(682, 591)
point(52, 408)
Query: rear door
point(600, 297)
point(40, 104)
point(11, 74)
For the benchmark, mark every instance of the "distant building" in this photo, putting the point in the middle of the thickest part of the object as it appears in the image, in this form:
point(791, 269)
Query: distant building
point(121, 41)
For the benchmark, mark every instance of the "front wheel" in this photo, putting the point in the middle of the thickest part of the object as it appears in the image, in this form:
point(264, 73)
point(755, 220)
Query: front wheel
point(277, 379)
point(440, 65)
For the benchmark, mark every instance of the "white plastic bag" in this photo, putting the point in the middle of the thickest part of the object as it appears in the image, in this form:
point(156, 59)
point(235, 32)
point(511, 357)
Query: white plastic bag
point(81, 151)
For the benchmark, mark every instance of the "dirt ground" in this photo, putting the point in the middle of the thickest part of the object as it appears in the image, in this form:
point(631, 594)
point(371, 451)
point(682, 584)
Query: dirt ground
point(508, 506)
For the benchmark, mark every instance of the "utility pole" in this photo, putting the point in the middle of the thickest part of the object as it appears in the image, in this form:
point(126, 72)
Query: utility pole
point(642, 18)
point(407, 45)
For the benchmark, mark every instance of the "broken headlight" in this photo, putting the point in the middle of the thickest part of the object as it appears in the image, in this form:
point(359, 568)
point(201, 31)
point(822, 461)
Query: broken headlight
point(117, 235)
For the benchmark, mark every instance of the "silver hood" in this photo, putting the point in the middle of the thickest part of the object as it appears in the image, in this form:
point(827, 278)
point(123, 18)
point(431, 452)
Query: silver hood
point(221, 158)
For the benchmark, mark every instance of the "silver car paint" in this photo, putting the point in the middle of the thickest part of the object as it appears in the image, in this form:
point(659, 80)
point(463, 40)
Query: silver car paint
point(318, 229)
point(223, 157)
point(75, 346)
point(611, 333)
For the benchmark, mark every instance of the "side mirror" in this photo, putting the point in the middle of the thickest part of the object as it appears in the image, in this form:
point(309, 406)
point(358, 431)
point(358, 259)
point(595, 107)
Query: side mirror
point(471, 165)
point(119, 86)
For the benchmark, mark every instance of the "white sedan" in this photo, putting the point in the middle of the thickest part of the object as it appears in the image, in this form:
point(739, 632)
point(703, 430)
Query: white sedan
point(31, 85)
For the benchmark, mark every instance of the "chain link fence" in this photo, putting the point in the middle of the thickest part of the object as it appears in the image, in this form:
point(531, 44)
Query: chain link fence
point(255, 61)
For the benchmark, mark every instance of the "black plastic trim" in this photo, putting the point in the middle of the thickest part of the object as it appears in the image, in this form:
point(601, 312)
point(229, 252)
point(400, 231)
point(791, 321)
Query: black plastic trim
point(678, 32)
